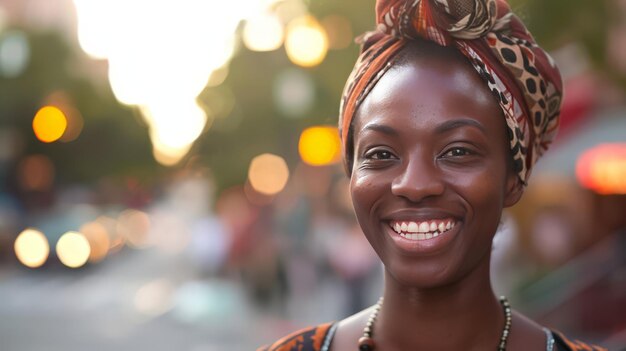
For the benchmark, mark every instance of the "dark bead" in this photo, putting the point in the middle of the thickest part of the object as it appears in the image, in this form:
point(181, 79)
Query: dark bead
point(366, 344)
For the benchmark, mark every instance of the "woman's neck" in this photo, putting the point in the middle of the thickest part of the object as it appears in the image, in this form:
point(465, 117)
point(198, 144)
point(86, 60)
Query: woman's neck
point(464, 315)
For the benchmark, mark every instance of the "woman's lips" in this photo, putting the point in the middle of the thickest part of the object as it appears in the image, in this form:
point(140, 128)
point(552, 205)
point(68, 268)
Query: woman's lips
point(422, 230)
point(422, 236)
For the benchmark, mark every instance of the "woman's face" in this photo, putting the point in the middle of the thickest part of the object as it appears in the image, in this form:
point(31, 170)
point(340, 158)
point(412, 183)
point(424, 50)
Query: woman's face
point(430, 174)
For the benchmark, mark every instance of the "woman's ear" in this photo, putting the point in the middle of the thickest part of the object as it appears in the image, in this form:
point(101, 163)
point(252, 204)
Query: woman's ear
point(514, 190)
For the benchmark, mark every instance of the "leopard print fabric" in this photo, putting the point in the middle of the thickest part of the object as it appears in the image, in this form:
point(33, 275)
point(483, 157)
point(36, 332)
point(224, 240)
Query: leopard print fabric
point(523, 77)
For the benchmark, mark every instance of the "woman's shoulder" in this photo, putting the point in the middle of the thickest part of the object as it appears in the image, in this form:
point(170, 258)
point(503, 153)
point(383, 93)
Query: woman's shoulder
point(530, 335)
point(563, 343)
point(307, 339)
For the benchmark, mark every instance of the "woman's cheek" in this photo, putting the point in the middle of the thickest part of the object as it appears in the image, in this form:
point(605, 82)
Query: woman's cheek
point(365, 189)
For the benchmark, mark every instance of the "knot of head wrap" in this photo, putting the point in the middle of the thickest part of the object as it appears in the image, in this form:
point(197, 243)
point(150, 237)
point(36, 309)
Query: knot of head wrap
point(521, 75)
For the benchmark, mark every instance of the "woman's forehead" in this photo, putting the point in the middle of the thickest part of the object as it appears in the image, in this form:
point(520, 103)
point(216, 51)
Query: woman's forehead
point(427, 88)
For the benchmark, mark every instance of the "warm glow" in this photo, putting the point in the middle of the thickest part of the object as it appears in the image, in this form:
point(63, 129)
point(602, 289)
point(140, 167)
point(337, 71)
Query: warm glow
point(32, 248)
point(49, 124)
point(99, 240)
point(73, 249)
point(263, 33)
point(320, 146)
point(268, 174)
point(134, 226)
point(172, 138)
point(603, 169)
point(160, 57)
point(306, 43)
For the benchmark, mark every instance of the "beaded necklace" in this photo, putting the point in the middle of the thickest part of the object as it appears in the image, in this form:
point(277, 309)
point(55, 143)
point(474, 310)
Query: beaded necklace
point(366, 342)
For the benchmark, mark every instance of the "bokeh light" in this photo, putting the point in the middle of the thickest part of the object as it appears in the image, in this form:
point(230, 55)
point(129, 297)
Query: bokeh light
point(134, 225)
point(98, 238)
point(603, 169)
point(263, 32)
point(320, 146)
point(49, 124)
point(268, 174)
point(294, 92)
point(36, 173)
point(73, 249)
point(14, 53)
point(306, 42)
point(32, 248)
point(74, 119)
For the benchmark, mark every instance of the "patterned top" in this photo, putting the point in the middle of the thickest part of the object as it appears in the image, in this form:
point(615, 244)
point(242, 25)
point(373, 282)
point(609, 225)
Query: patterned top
point(319, 338)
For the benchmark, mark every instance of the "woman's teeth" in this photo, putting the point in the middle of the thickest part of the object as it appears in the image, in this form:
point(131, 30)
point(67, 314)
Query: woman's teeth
point(422, 230)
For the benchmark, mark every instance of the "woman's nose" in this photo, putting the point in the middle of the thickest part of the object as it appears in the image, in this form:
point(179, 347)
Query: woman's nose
point(419, 179)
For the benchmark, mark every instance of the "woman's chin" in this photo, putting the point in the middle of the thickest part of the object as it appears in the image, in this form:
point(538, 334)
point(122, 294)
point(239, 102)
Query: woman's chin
point(426, 276)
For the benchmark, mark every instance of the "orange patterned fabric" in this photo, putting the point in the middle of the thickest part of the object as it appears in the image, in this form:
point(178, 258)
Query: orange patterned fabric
point(564, 343)
point(309, 339)
point(312, 339)
point(521, 75)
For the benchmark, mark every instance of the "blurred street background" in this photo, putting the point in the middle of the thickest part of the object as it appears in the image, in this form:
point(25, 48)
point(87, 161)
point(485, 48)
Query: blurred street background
point(170, 175)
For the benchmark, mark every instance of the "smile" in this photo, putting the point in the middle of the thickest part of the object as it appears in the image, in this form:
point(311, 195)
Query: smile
point(422, 230)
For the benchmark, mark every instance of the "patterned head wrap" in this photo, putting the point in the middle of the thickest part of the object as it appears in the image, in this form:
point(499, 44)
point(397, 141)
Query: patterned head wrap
point(522, 76)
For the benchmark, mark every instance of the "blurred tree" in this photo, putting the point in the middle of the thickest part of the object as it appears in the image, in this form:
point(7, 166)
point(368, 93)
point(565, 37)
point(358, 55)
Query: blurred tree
point(112, 143)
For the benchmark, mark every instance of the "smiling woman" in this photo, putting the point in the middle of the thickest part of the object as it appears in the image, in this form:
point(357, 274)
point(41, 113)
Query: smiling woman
point(447, 110)
point(438, 158)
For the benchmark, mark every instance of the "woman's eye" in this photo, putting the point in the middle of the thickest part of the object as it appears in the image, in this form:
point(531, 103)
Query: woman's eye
point(457, 151)
point(379, 155)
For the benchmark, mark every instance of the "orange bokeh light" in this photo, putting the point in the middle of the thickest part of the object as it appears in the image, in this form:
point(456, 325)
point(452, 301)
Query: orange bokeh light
point(268, 174)
point(49, 124)
point(320, 146)
point(603, 169)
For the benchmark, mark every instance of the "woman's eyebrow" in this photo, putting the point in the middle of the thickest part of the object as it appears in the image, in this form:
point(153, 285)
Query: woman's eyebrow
point(458, 123)
point(381, 128)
